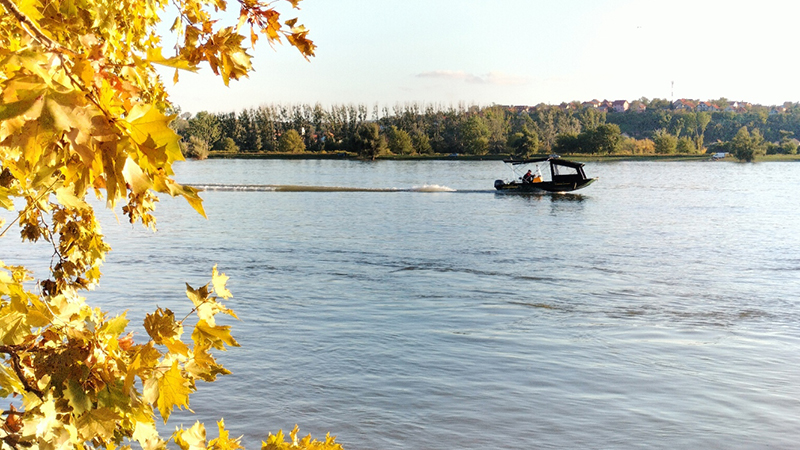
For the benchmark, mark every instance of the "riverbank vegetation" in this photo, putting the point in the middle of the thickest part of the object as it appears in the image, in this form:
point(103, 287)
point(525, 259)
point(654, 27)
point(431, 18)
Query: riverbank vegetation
point(654, 127)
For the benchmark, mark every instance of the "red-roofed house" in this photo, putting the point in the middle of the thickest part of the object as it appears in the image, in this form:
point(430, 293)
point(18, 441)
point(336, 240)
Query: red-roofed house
point(706, 106)
point(683, 104)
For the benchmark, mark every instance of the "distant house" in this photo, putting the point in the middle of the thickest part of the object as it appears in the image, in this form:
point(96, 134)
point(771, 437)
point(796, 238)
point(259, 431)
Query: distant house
point(638, 107)
point(732, 107)
point(514, 108)
point(620, 106)
point(737, 107)
point(683, 105)
point(591, 104)
point(777, 110)
point(706, 106)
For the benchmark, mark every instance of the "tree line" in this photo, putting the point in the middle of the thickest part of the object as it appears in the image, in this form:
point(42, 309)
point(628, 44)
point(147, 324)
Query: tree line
point(415, 129)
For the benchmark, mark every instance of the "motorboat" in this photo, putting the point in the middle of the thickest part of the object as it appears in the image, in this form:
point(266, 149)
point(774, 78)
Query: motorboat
point(565, 176)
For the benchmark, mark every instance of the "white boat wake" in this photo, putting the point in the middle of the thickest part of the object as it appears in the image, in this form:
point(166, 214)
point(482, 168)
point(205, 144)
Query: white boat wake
point(427, 188)
point(432, 188)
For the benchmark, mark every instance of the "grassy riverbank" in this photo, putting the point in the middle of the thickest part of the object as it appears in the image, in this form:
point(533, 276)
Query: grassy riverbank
point(579, 157)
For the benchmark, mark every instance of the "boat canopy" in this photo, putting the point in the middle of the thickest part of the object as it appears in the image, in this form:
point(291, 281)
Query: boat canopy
point(554, 160)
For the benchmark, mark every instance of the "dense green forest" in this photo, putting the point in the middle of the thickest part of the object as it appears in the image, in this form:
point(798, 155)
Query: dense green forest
point(649, 127)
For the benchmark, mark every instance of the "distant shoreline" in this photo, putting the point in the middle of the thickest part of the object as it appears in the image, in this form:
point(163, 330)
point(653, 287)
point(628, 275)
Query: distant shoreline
point(580, 157)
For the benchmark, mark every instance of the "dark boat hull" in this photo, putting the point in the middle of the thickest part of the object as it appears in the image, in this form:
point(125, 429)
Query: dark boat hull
point(542, 186)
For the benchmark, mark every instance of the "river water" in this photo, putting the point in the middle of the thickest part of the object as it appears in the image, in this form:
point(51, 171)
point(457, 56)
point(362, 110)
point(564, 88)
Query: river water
point(657, 308)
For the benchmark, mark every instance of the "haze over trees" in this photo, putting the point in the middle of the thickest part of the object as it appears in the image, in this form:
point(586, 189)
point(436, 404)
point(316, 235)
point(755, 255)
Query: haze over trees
point(82, 111)
point(652, 127)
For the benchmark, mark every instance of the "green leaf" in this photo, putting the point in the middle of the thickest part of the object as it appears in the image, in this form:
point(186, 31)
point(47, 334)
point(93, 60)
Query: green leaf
point(77, 398)
point(29, 108)
point(97, 423)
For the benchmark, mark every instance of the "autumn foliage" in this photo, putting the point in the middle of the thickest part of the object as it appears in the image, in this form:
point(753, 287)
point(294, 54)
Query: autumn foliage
point(82, 112)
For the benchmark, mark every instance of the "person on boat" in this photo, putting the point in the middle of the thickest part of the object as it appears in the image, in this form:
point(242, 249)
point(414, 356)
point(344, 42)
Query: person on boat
point(528, 177)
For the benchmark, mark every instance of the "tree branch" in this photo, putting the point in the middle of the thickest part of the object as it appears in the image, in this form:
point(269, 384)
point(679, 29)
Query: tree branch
point(16, 364)
point(31, 27)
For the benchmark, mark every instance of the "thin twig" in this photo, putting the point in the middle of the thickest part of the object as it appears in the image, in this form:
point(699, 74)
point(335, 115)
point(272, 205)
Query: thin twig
point(23, 210)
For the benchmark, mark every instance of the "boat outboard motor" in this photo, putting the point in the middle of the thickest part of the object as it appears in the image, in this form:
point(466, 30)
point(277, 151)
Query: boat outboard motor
point(498, 184)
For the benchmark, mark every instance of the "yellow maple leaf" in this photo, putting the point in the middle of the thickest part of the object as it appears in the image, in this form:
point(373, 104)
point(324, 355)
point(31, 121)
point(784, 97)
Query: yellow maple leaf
point(135, 177)
point(161, 326)
point(9, 381)
point(13, 327)
point(31, 8)
point(202, 364)
point(224, 441)
point(147, 435)
point(214, 335)
point(149, 128)
point(219, 280)
point(192, 439)
point(115, 326)
point(173, 390)
point(145, 359)
point(177, 62)
point(66, 196)
point(47, 426)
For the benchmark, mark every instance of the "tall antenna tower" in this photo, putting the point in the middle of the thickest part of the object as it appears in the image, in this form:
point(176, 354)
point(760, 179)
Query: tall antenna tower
point(672, 91)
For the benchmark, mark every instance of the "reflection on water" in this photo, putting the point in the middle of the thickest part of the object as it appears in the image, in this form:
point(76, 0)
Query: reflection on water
point(567, 197)
point(640, 312)
point(551, 196)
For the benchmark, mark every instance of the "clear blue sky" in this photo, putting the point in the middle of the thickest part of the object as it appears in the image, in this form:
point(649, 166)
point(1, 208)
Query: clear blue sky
point(520, 52)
